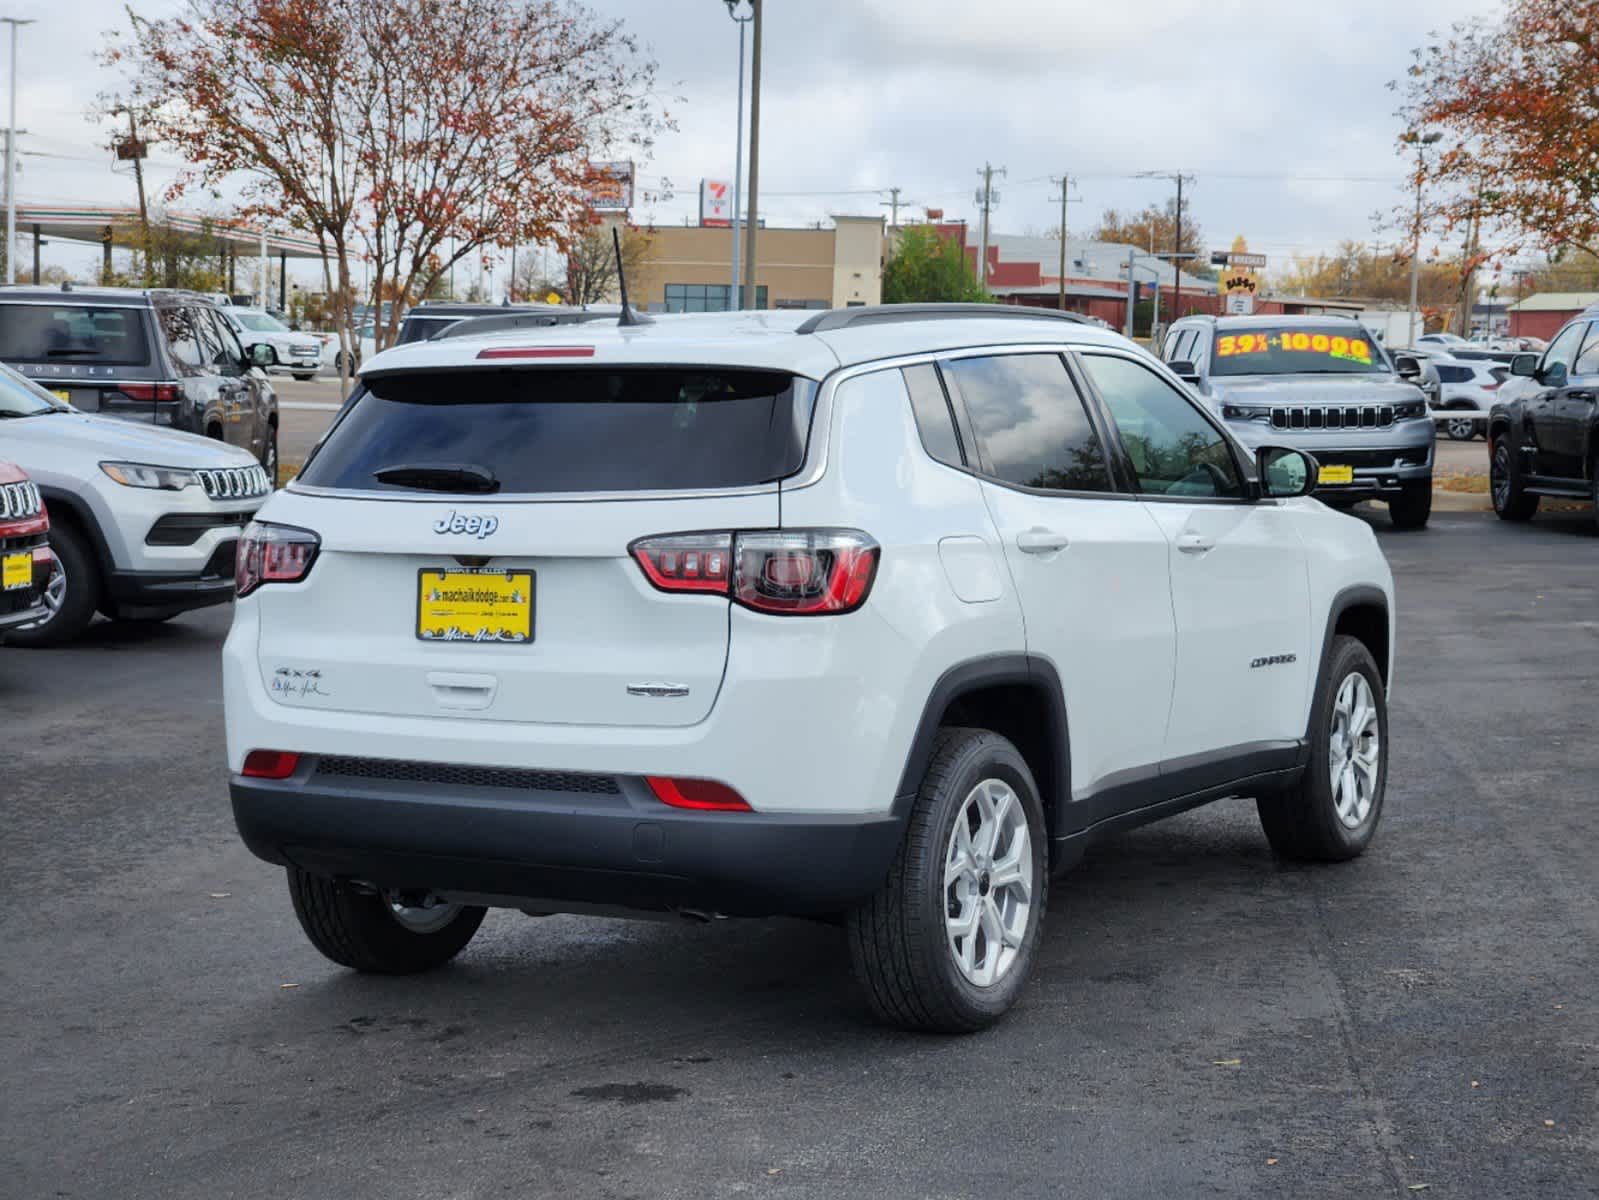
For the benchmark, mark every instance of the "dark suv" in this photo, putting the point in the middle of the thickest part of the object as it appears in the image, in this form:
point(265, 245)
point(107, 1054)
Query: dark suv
point(1544, 431)
point(156, 356)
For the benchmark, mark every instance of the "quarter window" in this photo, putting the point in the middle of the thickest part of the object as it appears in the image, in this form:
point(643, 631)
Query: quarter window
point(933, 418)
point(1174, 450)
point(178, 328)
point(1030, 423)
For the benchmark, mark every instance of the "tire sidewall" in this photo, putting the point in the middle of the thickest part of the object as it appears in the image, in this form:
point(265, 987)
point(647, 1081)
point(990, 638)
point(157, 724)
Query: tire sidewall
point(986, 756)
point(1348, 656)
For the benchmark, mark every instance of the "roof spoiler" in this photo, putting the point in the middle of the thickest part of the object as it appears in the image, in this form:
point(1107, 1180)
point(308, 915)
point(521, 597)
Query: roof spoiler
point(886, 314)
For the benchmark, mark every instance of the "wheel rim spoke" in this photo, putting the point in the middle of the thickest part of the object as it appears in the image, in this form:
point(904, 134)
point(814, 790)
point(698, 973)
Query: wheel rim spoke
point(988, 882)
point(1354, 750)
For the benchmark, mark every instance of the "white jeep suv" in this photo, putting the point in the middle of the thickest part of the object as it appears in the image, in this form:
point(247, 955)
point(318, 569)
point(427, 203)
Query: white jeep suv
point(875, 614)
point(144, 519)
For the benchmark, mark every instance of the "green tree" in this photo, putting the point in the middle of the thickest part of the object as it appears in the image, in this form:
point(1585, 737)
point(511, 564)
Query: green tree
point(926, 267)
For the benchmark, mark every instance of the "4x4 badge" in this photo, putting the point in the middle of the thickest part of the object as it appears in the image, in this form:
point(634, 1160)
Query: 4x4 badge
point(456, 523)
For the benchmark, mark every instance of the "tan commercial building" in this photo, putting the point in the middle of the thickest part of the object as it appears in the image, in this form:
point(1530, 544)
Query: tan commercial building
point(689, 267)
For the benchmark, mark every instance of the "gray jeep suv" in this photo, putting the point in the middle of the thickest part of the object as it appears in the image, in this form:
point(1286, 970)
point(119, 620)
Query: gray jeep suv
point(1323, 385)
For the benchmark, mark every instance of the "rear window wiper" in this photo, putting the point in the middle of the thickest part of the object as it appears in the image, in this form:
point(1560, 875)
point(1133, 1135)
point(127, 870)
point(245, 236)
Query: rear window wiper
point(439, 477)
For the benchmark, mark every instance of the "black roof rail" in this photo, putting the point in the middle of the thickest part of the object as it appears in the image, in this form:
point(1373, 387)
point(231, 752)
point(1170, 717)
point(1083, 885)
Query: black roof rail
point(885, 314)
point(472, 326)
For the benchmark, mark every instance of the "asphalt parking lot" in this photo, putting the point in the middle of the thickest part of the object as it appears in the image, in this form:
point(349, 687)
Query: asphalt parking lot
point(1203, 1021)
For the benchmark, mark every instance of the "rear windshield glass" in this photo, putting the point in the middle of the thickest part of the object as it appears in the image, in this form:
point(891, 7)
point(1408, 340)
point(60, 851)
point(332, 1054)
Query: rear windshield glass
point(540, 430)
point(72, 333)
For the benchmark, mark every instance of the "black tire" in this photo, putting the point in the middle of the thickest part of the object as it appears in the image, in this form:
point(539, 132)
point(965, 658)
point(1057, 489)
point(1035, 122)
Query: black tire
point(1510, 501)
point(269, 456)
point(898, 940)
point(1302, 822)
point(1412, 508)
point(358, 930)
point(79, 593)
point(303, 376)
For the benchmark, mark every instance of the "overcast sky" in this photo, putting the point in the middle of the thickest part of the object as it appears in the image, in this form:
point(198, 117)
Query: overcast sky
point(1279, 110)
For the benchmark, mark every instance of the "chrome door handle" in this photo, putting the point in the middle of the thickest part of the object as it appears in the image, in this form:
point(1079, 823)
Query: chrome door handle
point(1041, 541)
point(1583, 395)
point(1194, 543)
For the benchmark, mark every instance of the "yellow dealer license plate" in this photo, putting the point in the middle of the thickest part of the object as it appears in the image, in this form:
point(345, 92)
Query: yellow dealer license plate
point(1337, 473)
point(62, 395)
point(16, 571)
point(474, 606)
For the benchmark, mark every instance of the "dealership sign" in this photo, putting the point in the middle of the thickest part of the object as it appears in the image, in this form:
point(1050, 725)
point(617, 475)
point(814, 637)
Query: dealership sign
point(716, 203)
point(608, 186)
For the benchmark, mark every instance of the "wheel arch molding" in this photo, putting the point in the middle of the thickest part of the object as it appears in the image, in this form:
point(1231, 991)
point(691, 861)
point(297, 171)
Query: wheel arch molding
point(1018, 696)
point(1361, 612)
point(59, 501)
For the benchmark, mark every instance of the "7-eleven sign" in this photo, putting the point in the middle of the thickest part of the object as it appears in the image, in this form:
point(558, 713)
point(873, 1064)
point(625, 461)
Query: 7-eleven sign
point(716, 202)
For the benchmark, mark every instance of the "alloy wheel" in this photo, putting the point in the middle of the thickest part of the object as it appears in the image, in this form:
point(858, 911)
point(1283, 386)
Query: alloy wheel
point(1461, 429)
point(988, 882)
point(1499, 475)
point(1354, 750)
point(430, 916)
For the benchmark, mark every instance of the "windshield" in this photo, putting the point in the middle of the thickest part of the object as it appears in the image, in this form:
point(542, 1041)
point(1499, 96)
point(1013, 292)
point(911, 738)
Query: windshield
point(260, 322)
point(73, 333)
point(21, 397)
point(625, 430)
point(1302, 351)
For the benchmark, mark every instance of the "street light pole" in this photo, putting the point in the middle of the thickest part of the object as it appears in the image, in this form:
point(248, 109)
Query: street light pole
point(750, 293)
point(1421, 141)
point(11, 158)
point(738, 148)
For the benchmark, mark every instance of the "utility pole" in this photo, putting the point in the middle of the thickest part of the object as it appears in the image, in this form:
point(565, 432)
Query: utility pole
point(1177, 237)
point(986, 198)
point(892, 204)
point(1421, 142)
point(750, 293)
point(1065, 186)
point(136, 151)
point(11, 158)
point(1132, 255)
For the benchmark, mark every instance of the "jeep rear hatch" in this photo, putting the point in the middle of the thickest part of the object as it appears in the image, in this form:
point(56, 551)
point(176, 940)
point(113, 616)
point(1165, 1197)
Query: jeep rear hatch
point(473, 530)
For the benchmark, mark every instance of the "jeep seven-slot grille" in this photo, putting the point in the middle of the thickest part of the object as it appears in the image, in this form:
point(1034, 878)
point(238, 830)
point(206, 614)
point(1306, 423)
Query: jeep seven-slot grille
point(1332, 416)
point(18, 500)
point(234, 483)
point(402, 771)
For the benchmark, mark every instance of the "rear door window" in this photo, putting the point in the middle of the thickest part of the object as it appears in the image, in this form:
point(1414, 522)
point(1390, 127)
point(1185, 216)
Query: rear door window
point(73, 333)
point(541, 430)
point(1029, 422)
point(177, 326)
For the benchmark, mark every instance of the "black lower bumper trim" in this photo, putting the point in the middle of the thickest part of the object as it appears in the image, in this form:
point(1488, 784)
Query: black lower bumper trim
point(178, 591)
point(626, 850)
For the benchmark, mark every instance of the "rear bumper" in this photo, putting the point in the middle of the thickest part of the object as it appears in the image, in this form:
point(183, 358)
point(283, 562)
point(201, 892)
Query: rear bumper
point(550, 849)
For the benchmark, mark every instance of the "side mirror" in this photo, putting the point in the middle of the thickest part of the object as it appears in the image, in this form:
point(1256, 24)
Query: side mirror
point(1554, 375)
point(1408, 366)
point(261, 355)
point(1284, 472)
point(1184, 370)
point(1525, 365)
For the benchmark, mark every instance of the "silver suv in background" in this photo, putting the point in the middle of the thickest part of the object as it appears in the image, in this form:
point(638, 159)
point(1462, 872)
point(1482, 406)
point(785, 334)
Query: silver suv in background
point(1323, 385)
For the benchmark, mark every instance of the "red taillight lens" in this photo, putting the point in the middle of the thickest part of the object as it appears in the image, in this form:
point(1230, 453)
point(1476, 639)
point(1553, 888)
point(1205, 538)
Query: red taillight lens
point(705, 794)
point(272, 554)
point(270, 764)
point(161, 392)
point(687, 562)
point(801, 572)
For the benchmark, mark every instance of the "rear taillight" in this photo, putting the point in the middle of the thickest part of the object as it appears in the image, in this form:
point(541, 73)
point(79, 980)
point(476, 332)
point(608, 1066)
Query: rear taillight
point(272, 554)
point(799, 572)
point(159, 392)
point(704, 794)
point(270, 764)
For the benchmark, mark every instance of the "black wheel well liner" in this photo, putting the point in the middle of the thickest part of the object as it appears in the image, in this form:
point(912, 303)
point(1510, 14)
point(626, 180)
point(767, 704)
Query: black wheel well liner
point(1017, 696)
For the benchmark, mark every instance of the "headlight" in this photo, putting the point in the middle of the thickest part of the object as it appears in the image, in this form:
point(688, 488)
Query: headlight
point(1234, 412)
point(1410, 409)
point(167, 479)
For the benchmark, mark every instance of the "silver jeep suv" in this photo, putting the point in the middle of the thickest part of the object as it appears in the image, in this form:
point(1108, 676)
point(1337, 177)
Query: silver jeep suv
point(1324, 385)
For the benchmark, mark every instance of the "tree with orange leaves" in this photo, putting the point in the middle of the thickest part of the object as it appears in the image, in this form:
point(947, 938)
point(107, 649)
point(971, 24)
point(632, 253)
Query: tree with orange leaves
point(1517, 102)
point(422, 131)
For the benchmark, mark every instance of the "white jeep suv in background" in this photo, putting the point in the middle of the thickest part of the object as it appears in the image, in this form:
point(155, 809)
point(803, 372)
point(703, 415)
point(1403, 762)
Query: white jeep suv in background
point(144, 519)
point(875, 614)
point(299, 354)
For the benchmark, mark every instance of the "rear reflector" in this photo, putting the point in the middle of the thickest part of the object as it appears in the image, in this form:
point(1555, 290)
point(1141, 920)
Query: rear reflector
point(705, 794)
point(537, 352)
point(270, 764)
